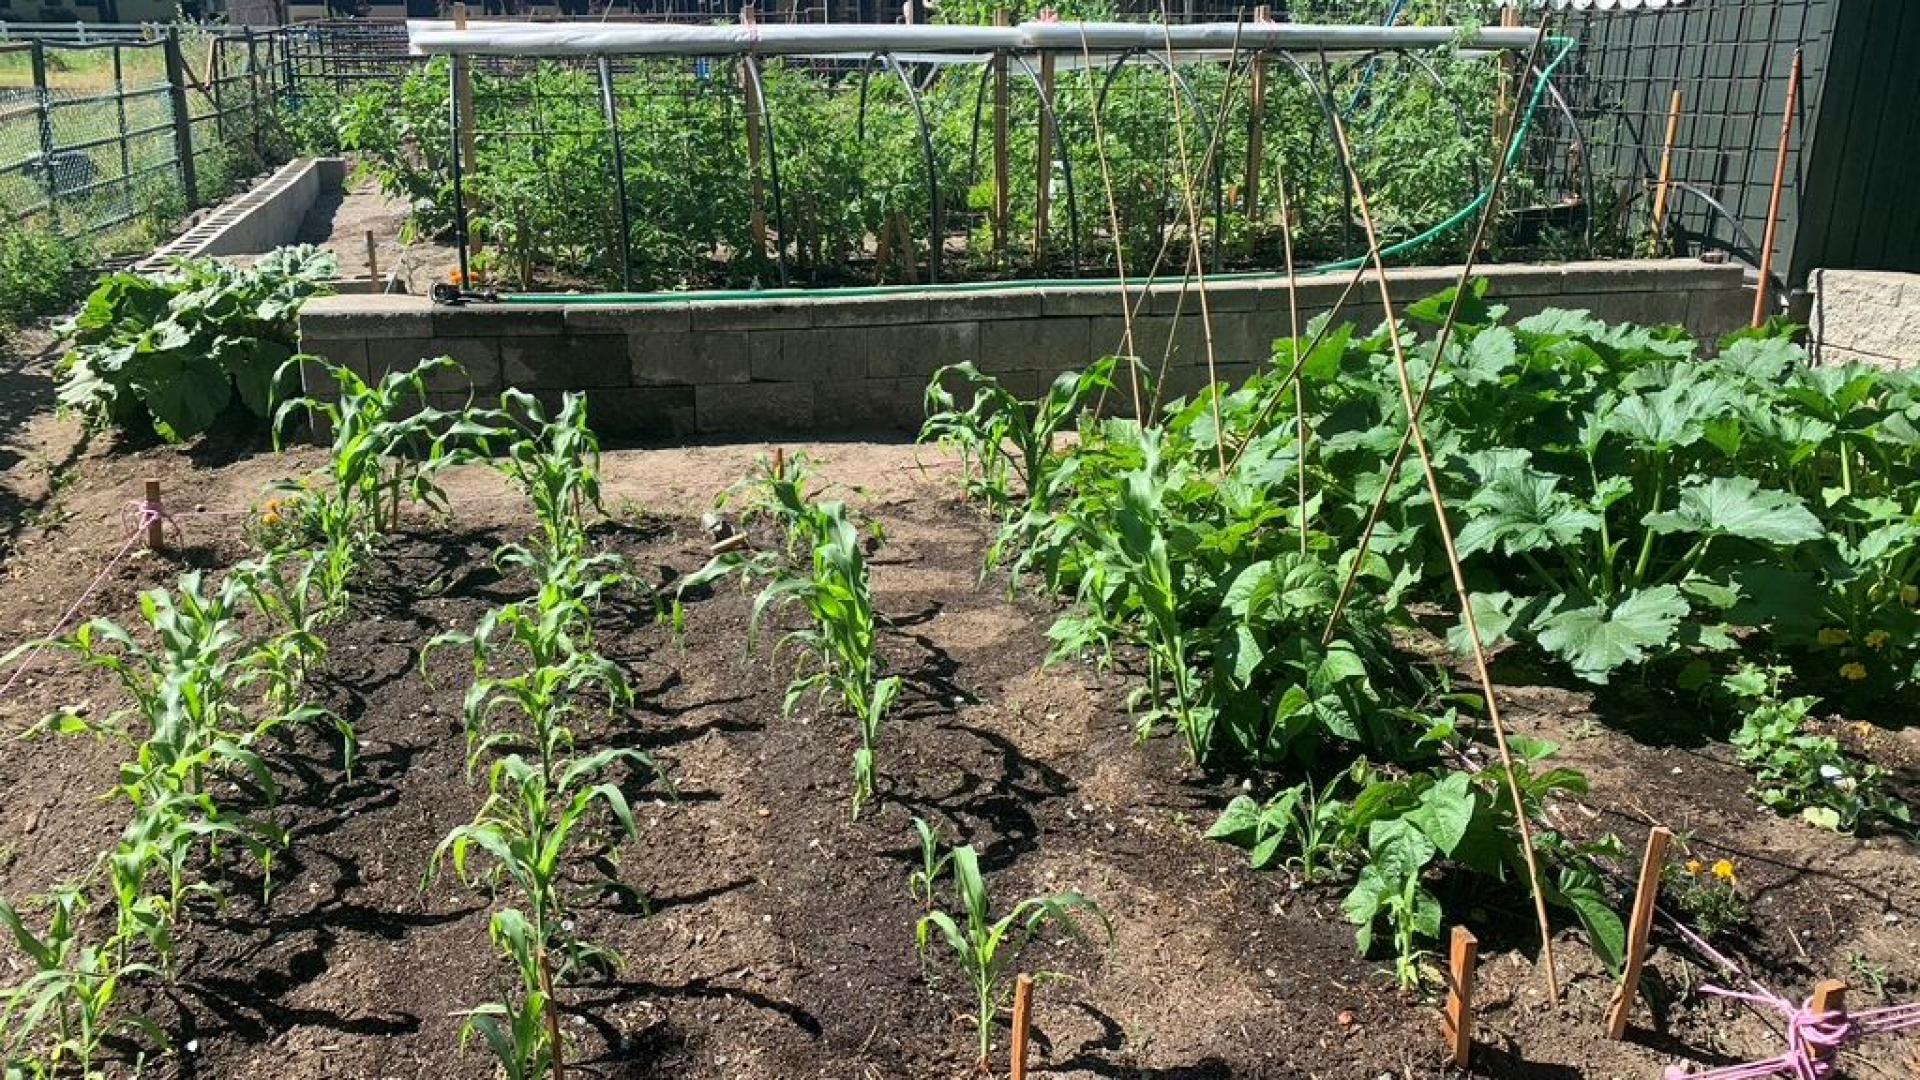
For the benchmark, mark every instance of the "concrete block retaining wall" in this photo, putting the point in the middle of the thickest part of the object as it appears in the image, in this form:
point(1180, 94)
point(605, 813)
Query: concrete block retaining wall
point(1865, 317)
point(860, 363)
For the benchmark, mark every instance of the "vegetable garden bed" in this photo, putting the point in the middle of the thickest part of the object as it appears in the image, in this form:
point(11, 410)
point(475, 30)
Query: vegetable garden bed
point(780, 941)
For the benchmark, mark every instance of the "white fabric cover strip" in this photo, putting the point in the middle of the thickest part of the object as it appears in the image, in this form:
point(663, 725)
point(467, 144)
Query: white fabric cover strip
point(439, 38)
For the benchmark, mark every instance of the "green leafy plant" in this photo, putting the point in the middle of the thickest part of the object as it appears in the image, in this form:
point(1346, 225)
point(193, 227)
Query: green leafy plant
point(1707, 894)
point(986, 949)
point(167, 354)
point(1796, 771)
point(73, 990)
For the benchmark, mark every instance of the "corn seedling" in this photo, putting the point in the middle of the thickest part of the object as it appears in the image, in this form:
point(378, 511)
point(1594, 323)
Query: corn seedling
point(933, 862)
point(387, 447)
point(986, 949)
point(524, 1037)
point(71, 992)
point(556, 462)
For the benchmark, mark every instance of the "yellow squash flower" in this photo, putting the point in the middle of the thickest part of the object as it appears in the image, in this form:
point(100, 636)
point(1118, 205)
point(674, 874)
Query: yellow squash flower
point(1723, 870)
point(1878, 639)
point(1833, 635)
point(1853, 672)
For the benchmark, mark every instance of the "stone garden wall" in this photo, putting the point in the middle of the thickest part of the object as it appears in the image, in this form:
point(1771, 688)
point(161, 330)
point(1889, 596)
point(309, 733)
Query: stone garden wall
point(859, 363)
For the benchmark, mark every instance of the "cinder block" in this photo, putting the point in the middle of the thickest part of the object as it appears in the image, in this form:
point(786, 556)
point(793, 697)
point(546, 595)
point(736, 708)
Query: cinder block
point(687, 359)
point(349, 353)
point(1647, 275)
point(982, 306)
point(1645, 308)
point(906, 351)
point(648, 318)
point(888, 310)
point(1034, 344)
point(749, 315)
point(479, 359)
point(379, 316)
point(646, 412)
point(753, 408)
point(499, 320)
point(853, 406)
point(811, 355)
point(530, 363)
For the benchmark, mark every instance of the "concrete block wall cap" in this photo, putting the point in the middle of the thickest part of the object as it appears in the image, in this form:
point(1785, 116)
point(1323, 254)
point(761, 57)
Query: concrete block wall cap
point(366, 317)
point(1648, 275)
point(749, 314)
point(627, 318)
point(984, 306)
point(889, 310)
point(1071, 300)
point(495, 320)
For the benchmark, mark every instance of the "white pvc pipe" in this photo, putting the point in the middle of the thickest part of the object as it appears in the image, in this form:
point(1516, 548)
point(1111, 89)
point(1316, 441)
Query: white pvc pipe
point(440, 38)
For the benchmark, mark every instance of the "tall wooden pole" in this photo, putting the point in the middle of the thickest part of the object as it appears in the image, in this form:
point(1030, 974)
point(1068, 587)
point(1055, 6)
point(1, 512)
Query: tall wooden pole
point(1638, 928)
point(750, 90)
point(1002, 195)
point(1773, 201)
point(1256, 125)
point(1462, 957)
point(1043, 152)
point(1659, 222)
point(463, 86)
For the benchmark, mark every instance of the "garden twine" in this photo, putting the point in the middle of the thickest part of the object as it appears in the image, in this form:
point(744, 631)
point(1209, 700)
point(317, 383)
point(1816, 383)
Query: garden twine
point(1814, 1039)
point(135, 516)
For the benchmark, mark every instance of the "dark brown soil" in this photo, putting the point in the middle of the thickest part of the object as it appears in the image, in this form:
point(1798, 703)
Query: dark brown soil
point(777, 941)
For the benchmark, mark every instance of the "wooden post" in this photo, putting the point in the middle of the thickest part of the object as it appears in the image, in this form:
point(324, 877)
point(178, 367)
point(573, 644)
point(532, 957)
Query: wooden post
point(373, 261)
point(182, 119)
point(1773, 201)
point(1666, 174)
point(463, 86)
point(1638, 927)
point(1001, 176)
point(1830, 996)
point(156, 534)
point(1043, 193)
point(1462, 956)
point(1022, 1018)
point(750, 92)
point(1256, 124)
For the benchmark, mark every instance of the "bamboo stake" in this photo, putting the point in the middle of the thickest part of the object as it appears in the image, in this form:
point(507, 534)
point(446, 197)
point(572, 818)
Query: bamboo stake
point(1639, 926)
point(1256, 126)
point(1462, 958)
point(373, 260)
point(463, 86)
point(750, 91)
point(1666, 176)
point(1773, 201)
point(1119, 254)
point(1482, 669)
point(156, 535)
point(1002, 175)
point(1022, 1018)
point(1043, 151)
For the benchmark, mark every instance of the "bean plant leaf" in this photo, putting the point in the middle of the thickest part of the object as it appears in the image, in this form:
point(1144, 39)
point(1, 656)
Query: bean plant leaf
point(1603, 925)
point(1596, 641)
point(1738, 506)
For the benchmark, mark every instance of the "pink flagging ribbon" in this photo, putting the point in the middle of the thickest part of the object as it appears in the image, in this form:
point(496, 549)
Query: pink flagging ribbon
point(136, 515)
point(1814, 1039)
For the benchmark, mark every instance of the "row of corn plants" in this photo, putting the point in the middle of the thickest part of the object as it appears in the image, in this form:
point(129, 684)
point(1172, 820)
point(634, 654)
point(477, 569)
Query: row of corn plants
point(538, 678)
point(213, 671)
point(821, 567)
point(1631, 506)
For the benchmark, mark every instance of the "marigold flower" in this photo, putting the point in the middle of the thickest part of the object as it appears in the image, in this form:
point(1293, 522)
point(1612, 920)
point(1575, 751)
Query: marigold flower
point(1853, 672)
point(1723, 870)
point(1693, 866)
point(270, 518)
point(1878, 639)
point(1833, 635)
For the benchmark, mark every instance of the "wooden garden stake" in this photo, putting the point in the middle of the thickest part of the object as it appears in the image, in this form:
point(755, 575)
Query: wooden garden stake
point(750, 89)
point(1022, 1017)
point(1666, 174)
point(1773, 201)
point(463, 86)
point(1001, 176)
point(1638, 927)
point(1043, 192)
point(1462, 956)
point(1829, 996)
point(156, 537)
point(1256, 124)
point(373, 261)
